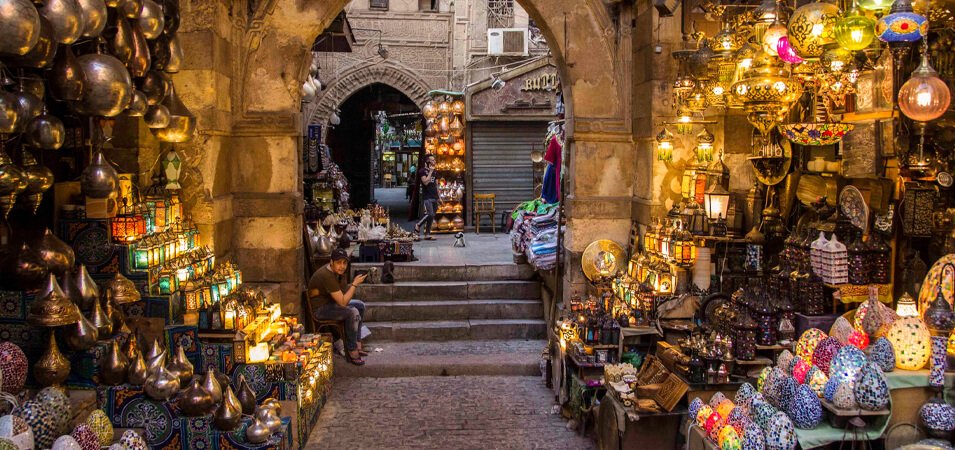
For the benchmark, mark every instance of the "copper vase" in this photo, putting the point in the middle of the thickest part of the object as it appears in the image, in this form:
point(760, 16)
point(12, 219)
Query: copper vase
point(161, 384)
point(53, 368)
point(102, 322)
point(181, 366)
point(229, 413)
point(246, 396)
point(139, 62)
point(195, 400)
point(136, 372)
point(80, 288)
point(154, 364)
point(211, 384)
point(112, 369)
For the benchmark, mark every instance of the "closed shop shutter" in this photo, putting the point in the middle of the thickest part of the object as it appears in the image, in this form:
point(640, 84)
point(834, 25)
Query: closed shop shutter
point(501, 161)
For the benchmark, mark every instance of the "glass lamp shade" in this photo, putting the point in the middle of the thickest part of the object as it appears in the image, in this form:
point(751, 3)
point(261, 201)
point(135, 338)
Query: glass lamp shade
point(911, 341)
point(717, 202)
point(902, 25)
point(906, 306)
point(854, 31)
point(835, 60)
point(772, 35)
point(812, 28)
point(875, 5)
point(665, 145)
point(924, 96)
point(786, 51)
point(704, 146)
point(727, 41)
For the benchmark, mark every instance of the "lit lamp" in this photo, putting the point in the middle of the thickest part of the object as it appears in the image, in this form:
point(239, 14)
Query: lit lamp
point(854, 30)
point(140, 255)
point(906, 306)
point(772, 35)
point(688, 182)
point(684, 247)
point(878, 6)
point(717, 200)
point(167, 281)
point(924, 96)
point(665, 145)
point(704, 146)
point(229, 314)
point(684, 120)
point(192, 295)
point(902, 25)
point(140, 219)
point(940, 321)
point(812, 27)
point(157, 203)
point(665, 243)
point(123, 226)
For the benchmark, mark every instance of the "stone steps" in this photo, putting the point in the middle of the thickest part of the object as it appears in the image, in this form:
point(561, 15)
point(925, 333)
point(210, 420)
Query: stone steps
point(453, 310)
point(423, 358)
point(479, 272)
point(447, 330)
point(449, 290)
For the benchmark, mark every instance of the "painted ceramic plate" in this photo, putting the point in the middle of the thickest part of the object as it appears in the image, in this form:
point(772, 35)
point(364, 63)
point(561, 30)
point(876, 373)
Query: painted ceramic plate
point(852, 204)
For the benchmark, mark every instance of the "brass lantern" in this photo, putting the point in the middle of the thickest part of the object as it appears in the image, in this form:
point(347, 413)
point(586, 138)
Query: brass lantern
point(683, 246)
point(704, 146)
point(665, 145)
point(157, 203)
point(767, 92)
point(123, 226)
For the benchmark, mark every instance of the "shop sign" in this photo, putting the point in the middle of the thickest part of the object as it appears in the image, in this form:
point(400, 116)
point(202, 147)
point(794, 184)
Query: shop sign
point(543, 82)
point(529, 95)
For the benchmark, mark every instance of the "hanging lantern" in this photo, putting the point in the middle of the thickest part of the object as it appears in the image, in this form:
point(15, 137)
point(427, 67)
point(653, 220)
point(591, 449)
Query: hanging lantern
point(924, 96)
point(902, 25)
point(688, 182)
point(696, 100)
point(684, 120)
point(665, 145)
point(854, 30)
point(836, 59)
point(812, 28)
point(772, 35)
point(683, 245)
point(877, 6)
point(123, 226)
point(786, 51)
point(906, 306)
point(727, 41)
point(456, 127)
point(429, 110)
point(704, 146)
point(717, 200)
point(457, 107)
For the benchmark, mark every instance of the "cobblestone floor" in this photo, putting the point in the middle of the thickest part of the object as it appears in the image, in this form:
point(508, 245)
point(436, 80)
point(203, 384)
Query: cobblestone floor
point(442, 413)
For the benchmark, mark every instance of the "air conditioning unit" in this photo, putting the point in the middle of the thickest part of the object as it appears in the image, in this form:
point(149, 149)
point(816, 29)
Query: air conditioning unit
point(507, 41)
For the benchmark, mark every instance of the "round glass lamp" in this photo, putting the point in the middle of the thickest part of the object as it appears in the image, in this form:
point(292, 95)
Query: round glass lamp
point(911, 341)
point(772, 35)
point(854, 31)
point(924, 96)
point(812, 28)
point(878, 6)
point(902, 25)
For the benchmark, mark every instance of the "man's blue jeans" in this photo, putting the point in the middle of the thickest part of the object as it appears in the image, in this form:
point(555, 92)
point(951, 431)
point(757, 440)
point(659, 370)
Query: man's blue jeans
point(353, 315)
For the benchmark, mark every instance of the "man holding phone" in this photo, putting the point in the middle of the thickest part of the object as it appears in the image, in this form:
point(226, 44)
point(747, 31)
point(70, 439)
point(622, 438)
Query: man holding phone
point(331, 300)
point(429, 197)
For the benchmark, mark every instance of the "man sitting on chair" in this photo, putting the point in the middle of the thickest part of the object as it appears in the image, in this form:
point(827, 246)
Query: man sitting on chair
point(331, 300)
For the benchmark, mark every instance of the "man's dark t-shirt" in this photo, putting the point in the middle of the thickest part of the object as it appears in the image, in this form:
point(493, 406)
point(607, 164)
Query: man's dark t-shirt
point(326, 282)
point(428, 191)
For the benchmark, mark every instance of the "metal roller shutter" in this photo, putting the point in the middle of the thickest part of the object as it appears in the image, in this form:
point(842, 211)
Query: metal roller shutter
point(501, 160)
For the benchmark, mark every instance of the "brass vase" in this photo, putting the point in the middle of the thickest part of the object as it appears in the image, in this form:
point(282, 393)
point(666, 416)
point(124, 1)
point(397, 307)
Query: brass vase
point(86, 287)
point(229, 413)
point(211, 384)
point(112, 370)
point(195, 400)
point(66, 76)
point(246, 396)
point(38, 180)
point(52, 309)
point(19, 26)
point(102, 322)
point(29, 268)
point(257, 432)
point(181, 366)
point(43, 53)
point(82, 335)
point(121, 45)
point(132, 347)
point(53, 368)
point(99, 179)
point(161, 384)
point(136, 372)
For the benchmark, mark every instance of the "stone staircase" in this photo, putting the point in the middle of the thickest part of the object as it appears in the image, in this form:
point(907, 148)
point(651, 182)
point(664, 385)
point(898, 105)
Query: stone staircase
point(453, 320)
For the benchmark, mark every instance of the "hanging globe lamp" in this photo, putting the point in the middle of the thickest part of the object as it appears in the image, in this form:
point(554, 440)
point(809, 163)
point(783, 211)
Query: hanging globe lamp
point(902, 25)
point(812, 28)
point(924, 96)
point(854, 30)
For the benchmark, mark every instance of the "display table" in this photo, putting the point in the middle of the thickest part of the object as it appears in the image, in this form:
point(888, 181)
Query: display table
point(619, 427)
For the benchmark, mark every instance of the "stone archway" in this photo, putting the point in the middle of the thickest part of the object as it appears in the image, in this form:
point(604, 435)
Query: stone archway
point(591, 43)
point(356, 78)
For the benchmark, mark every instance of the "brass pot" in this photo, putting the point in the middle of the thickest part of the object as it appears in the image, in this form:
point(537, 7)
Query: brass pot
point(136, 372)
point(93, 16)
point(82, 335)
point(121, 44)
point(99, 179)
point(229, 413)
point(154, 85)
point(175, 56)
point(182, 124)
point(66, 76)
point(153, 364)
point(246, 396)
point(157, 116)
point(122, 291)
point(102, 322)
point(45, 132)
point(139, 62)
point(55, 254)
point(151, 20)
point(11, 179)
point(195, 400)
point(137, 104)
point(52, 309)
point(211, 384)
point(181, 366)
point(42, 54)
point(53, 368)
point(154, 352)
point(112, 369)
point(108, 85)
point(131, 8)
point(269, 417)
point(274, 404)
point(38, 179)
point(65, 16)
point(9, 114)
point(19, 26)
point(161, 384)
point(257, 432)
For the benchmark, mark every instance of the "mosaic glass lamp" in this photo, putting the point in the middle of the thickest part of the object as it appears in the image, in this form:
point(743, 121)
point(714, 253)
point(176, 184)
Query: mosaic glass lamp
point(902, 25)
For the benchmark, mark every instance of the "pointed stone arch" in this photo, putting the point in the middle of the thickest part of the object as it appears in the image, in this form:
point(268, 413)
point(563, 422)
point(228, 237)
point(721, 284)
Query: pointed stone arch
point(357, 78)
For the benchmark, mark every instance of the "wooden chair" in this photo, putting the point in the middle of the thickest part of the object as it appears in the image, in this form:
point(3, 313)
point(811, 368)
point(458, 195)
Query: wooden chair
point(335, 327)
point(484, 206)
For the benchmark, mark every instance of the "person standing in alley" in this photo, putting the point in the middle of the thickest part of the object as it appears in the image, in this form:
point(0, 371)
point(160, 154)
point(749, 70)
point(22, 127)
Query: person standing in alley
point(429, 197)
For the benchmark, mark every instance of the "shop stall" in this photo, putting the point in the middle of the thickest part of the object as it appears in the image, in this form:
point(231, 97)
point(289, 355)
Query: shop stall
point(445, 139)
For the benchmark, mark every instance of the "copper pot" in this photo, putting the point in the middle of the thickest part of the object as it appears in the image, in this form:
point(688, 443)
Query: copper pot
point(82, 335)
point(99, 179)
point(161, 384)
point(257, 432)
point(229, 413)
point(139, 62)
point(151, 20)
point(136, 372)
point(19, 26)
point(112, 369)
point(45, 132)
point(246, 396)
point(93, 16)
point(108, 85)
point(195, 400)
point(53, 368)
point(211, 384)
point(66, 76)
point(66, 18)
point(181, 366)
point(40, 55)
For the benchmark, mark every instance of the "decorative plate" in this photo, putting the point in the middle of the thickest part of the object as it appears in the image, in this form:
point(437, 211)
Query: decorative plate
point(852, 205)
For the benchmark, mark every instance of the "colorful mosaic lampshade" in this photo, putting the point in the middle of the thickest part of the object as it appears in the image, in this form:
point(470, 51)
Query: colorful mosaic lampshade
point(912, 343)
point(902, 25)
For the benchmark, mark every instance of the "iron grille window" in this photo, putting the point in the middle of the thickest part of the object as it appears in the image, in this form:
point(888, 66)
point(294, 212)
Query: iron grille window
point(378, 4)
point(500, 13)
